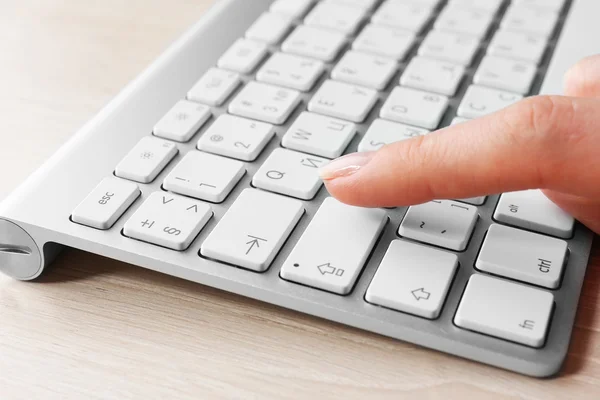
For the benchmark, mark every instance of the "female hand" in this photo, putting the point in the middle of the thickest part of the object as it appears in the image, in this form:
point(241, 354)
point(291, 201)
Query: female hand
point(546, 142)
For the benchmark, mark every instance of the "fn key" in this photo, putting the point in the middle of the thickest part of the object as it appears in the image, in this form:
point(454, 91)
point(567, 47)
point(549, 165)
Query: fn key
point(505, 310)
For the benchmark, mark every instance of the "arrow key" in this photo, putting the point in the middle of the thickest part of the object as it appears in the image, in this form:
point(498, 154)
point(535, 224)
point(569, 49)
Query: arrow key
point(413, 278)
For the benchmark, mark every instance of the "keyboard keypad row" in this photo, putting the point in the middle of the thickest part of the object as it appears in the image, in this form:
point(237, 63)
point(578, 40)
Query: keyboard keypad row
point(333, 249)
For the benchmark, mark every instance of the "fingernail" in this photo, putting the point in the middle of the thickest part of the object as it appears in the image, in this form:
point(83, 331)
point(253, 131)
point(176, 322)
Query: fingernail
point(345, 166)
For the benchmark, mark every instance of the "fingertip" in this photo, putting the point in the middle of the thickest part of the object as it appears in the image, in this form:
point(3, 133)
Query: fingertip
point(583, 78)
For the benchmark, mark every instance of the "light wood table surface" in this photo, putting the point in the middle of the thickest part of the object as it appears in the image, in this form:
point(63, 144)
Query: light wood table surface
point(94, 328)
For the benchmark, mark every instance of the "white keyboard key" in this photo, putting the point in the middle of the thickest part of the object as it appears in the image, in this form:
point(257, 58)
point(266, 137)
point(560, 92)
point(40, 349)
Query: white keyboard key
point(265, 102)
point(491, 6)
point(384, 41)
point(106, 203)
point(319, 135)
point(451, 47)
point(411, 16)
point(413, 279)
point(236, 137)
point(182, 121)
point(464, 20)
point(433, 76)
point(342, 100)
point(313, 42)
point(555, 5)
point(504, 74)
point(204, 176)
point(479, 101)
point(215, 86)
point(168, 220)
point(505, 310)
point(532, 20)
point(523, 256)
point(146, 160)
point(334, 247)
point(365, 70)
point(338, 17)
point(291, 8)
point(475, 201)
point(269, 28)
point(459, 120)
point(243, 56)
point(532, 210)
point(415, 107)
point(253, 230)
point(362, 4)
point(518, 46)
point(291, 71)
point(290, 173)
point(382, 132)
point(443, 223)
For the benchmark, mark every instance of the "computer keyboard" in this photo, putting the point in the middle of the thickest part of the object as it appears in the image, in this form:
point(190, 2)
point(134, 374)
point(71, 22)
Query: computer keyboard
point(224, 189)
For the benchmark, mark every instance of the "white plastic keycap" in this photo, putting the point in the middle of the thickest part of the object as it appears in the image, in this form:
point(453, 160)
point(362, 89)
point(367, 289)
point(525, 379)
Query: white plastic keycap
point(451, 47)
point(364, 69)
point(459, 120)
point(313, 42)
point(532, 210)
point(476, 201)
point(215, 86)
point(362, 4)
point(291, 71)
point(384, 41)
point(523, 256)
point(291, 8)
point(269, 28)
point(413, 279)
point(555, 5)
point(146, 160)
point(506, 310)
point(339, 17)
point(414, 107)
point(491, 6)
point(342, 100)
point(518, 46)
point(106, 203)
point(243, 56)
point(479, 101)
point(465, 20)
point(168, 220)
point(204, 176)
point(319, 135)
point(433, 76)
point(334, 247)
point(443, 223)
point(382, 132)
point(253, 230)
point(265, 102)
point(182, 121)
point(505, 74)
point(411, 16)
point(236, 137)
point(290, 173)
point(533, 20)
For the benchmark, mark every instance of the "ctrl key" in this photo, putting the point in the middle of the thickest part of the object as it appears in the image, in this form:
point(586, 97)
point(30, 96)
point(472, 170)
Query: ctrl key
point(506, 310)
point(105, 205)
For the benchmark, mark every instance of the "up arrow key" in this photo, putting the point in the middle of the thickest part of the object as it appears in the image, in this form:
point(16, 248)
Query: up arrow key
point(421, 294)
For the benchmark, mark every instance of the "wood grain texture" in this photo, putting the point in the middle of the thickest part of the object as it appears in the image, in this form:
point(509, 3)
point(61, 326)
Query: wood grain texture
point(93, 328)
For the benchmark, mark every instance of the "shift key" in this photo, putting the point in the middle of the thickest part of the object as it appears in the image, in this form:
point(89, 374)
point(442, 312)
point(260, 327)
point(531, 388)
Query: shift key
point(333, 250)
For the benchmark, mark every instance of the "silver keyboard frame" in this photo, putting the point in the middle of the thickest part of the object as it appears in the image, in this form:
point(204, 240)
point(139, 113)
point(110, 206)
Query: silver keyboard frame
point(34, 220)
